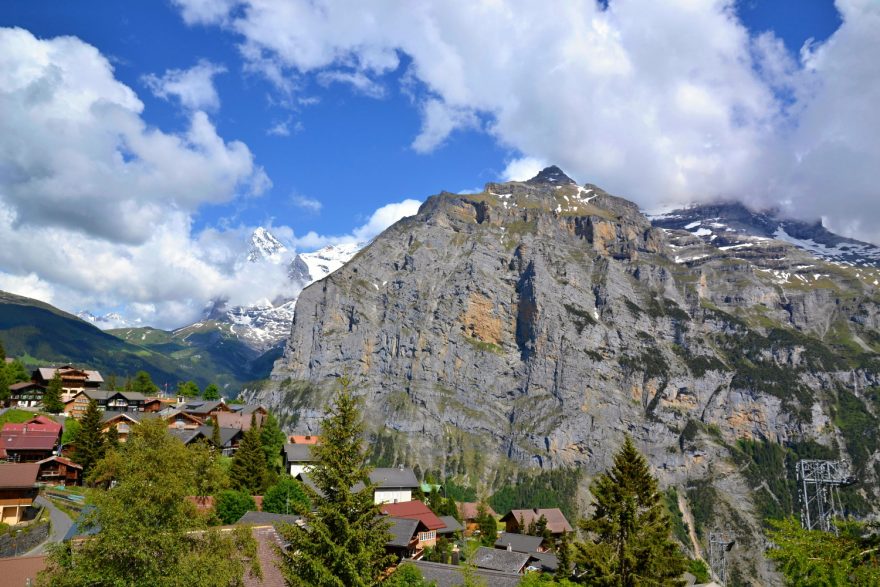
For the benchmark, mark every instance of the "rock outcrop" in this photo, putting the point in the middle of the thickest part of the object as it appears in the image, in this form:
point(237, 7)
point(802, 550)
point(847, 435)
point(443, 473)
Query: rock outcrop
point(533, 324)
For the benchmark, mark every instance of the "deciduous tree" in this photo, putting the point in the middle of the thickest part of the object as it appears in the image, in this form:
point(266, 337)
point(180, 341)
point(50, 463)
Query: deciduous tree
point(211, 393)
point(628, 536)
point(143, 383)
point(232, 505)
point(343, 541)
point(148, 534)
point(287, 496)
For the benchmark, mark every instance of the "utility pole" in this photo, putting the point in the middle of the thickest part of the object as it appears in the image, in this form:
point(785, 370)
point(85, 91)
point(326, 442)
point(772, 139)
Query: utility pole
point(720, 543)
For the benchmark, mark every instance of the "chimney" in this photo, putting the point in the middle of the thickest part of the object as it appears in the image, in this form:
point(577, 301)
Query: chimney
point(509, 547)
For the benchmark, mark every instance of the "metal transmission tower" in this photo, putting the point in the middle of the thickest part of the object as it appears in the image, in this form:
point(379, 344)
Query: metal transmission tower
point(720, 544)
point(819, 483)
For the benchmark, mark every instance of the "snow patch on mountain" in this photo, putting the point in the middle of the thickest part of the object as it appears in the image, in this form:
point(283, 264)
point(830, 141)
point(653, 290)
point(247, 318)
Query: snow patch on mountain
point(108, 321)
point(264, 246)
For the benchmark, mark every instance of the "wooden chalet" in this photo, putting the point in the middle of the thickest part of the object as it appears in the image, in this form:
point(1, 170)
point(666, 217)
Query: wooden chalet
point(72, 379)
point(468, 513)
point(518, 521)
point(18, 489)
point(108, 401)
point(59, 471)
point(429, 523)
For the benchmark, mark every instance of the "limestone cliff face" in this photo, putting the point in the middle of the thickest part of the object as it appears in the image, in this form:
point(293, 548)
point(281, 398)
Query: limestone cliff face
point(535, 323)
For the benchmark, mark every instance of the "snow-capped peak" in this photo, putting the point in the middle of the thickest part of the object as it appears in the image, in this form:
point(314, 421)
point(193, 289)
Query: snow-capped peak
point(107, 321)
point(264, 246)
point(326, 260)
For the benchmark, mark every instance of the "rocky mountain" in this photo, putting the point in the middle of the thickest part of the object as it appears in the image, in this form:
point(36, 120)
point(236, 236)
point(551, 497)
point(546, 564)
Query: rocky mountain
point(264, 246)
point(731, 224)
point(105, 321)
point(527, 328)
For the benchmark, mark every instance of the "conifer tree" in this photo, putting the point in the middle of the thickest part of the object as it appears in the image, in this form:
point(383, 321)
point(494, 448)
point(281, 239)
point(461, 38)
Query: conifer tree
point(628, 536)
point(487, 523)
point(111, 439)
point(272, 439)
point(215, 435)
point(2, 353)
point(52, 396)
point(343, 541)
point(89, 440)
point(4, 385)
point(249, 471)
point(563, 556)
point(211, 393)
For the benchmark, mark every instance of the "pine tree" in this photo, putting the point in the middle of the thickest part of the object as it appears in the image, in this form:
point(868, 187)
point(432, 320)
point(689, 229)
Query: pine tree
point(2, 353)
point(215, 435)
point(563, 556)
point(111, 438)
point(272, 439)
point(4, 385)
point(343, 541)
point(487, 523)
point(249, 471)
point(89, 440)
point(628, 536)
point(52, 396)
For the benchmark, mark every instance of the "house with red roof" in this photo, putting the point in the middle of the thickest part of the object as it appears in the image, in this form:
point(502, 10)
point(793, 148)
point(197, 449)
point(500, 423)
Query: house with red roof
point(428, 525)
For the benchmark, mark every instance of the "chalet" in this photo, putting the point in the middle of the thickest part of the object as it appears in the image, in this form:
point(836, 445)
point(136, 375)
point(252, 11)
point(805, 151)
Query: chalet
point(506, 561)
point(443, 575)
point(429, 523)
point(203, 409)
point(26, 394)
point(108, 401)
point(27, 447)
point(188, 436)
point(451, 526)
point(122, 421)
point(393, 485)
point(180, 420)
point(298, 458)
point(518, 521)
point(41, 425)
point(468, 512)
point(72, 379)
point(248, 409)
point(18, 488)
point(238, 420)
point(59, 471)
point(404, 538)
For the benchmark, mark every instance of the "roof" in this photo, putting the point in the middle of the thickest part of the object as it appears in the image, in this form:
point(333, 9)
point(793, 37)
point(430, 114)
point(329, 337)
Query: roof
point(187, 436)
point(245, 408)
point(103, 394)
point(28, 441)
point(402, 531)
point(236, 420)
point(201, 407)
point(227, 435)
point(266, 519)
point(18, 475)
point(387, 478)
point(519, 542)
point(48, 373)
point(298, 453)
point(268, 542)
point(32, 429)
point(135, 417)
point(62, 460)
point(468, 510)
point(450, 525)
point(556, 522)
point(23, 385)
point(500, 560)
point(544, 561)
point(414, 510)
point(21, 571)
point(451, 575)
point(305, 439)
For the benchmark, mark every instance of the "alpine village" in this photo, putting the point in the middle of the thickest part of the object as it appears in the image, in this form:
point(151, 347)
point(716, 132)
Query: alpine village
point(445, 293)
point(535, 384)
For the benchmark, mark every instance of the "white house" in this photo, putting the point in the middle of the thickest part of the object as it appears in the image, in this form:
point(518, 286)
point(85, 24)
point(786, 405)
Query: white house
point(298, 458)
point(393, 485)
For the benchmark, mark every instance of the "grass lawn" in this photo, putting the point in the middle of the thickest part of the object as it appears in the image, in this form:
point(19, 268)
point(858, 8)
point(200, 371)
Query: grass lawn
point(16, 416)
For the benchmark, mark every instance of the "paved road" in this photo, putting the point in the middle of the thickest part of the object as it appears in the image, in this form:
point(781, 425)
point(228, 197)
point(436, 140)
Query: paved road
point(61, 523)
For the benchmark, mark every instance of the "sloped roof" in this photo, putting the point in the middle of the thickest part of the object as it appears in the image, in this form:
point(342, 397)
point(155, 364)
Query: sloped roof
point(28, 441)
point(519, 542)
point(298, 453)
point(21, 571)
point(468, 510)
point(23, 386)
point(62, 460)
point(389, 478)
point(48, 373)
point(18, 475)
point(450, 525)
point(451, 575)
point(227, 435)
point(556, 521)
point(266, 519)
point(545, 561)
point(268, 542)
point(402, 531)
point(414, 510)
point(500, 560)
point(187, 436)
point(201, 407)
point(135, 417)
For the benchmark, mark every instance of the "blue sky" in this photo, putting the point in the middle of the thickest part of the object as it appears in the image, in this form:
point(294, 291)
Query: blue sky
point(376, 106)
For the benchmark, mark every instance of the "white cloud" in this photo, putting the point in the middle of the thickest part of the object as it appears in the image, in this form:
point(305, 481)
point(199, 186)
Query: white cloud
point(522, 169)
point(194, 87)
point(381, 219)
point(306, 203)
point(657, 101)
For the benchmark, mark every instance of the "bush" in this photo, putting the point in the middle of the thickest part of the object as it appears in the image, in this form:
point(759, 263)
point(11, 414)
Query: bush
point(232, 505)
point(286, 497)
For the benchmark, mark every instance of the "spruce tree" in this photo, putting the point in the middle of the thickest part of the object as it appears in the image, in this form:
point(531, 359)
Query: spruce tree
point(89, 440)
point(342, 543)
point(4, 385)
point(249, 471)
point(563, 555)
point(272, 439)
point(215, 435)
point(628, 536)
point(52, 396)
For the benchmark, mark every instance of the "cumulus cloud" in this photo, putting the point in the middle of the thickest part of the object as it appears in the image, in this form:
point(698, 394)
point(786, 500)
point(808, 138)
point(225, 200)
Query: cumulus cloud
point(95, 205)
point(193, 87)
point(656, 101)
point(308, 204)
point(381, 219)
